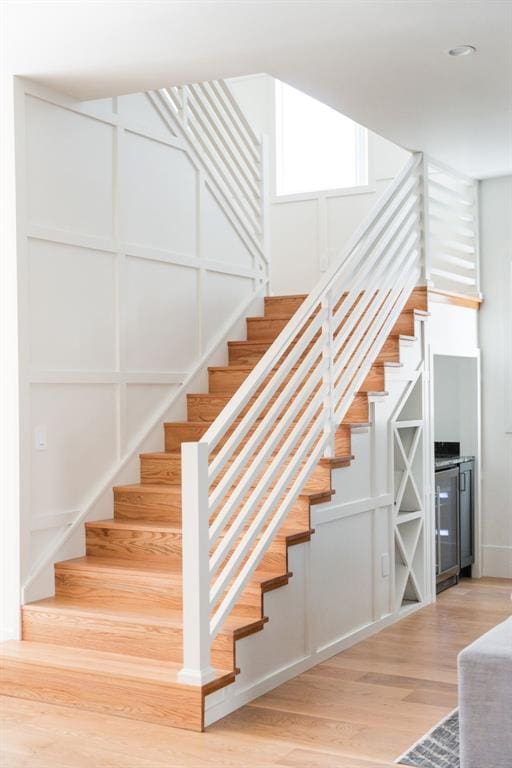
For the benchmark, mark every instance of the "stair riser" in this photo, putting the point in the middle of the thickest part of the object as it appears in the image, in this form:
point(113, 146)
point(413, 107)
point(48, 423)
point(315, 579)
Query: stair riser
point(286, 306)
point(268, 329)
point(157, 547)
point(275, 559)
point(404, 324)
point(343, 441)
point(418, 299)
point(358, 412)
point(264, 329)
point(282, 306)
point(117, 588)
point(251, 352)
point(152, 507)
point(390, 352)
point(375, 381)
point(207, 407)
point(319, 481)
point(247, 354)
point(176, 434)
point(147, 700)
point(152, 641)
point(160, 471)
point(225, 381)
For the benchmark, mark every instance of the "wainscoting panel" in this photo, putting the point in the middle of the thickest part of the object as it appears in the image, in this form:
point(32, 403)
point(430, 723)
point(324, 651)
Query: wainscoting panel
point(130, 271)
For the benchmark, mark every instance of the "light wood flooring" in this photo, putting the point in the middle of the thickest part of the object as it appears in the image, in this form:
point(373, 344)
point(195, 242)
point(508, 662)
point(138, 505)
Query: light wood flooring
point(360, 709)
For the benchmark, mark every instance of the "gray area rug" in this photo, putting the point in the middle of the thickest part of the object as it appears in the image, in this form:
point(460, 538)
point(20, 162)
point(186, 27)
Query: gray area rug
point(439, 748)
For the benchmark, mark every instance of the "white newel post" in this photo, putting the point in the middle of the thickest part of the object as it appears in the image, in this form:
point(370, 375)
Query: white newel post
point(328, 377)
point(195, 565)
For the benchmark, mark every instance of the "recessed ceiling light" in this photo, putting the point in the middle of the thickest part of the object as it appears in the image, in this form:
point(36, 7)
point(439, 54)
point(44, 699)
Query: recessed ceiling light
point(462, 50)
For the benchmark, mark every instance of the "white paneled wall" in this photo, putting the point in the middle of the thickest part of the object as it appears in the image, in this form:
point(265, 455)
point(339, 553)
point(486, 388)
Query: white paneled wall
point(308, 231)
point(129, 271)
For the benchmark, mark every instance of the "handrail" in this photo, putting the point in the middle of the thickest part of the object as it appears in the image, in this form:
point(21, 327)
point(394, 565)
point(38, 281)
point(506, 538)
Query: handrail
point(240, 480)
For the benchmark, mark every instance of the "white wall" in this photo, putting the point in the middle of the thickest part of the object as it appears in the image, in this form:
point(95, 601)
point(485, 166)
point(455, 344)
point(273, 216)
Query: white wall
point(308, 231)
point(496, 343)
point(129, 270)
point(9, 432)
point(456, 402)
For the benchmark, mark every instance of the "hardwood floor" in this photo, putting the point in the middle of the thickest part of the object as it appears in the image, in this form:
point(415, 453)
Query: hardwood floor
point(360, 709)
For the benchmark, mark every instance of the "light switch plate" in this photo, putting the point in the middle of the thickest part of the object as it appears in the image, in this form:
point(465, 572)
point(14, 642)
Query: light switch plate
point(384, 561)
point(40, 439)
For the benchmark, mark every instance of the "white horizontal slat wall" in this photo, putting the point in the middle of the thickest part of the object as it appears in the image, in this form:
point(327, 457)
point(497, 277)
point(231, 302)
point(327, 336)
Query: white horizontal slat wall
point(453, 230)
point(128, 270)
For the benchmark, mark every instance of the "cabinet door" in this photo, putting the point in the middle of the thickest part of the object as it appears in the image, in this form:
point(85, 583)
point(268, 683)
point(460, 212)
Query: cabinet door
point(466, 514)
point(447, 514)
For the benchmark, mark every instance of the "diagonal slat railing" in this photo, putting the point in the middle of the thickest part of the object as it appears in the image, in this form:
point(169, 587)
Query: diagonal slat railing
point(226, 148)
point(241, 479)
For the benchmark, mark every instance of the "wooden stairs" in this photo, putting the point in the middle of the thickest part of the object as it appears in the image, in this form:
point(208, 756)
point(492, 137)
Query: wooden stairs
point(110, 640)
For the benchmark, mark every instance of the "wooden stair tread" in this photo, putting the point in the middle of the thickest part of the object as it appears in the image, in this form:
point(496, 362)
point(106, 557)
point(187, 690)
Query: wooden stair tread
point(135, 525)
point(171, 573)
point(148, 487)
point(137, 614)
point(112, 665)
point(172, 570)
point(247, 367)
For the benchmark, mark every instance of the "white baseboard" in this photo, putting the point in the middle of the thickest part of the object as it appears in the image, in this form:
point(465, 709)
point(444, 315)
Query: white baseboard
point(497, 561)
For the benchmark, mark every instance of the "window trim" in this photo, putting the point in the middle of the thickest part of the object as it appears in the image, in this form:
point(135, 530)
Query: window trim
point(363, 163)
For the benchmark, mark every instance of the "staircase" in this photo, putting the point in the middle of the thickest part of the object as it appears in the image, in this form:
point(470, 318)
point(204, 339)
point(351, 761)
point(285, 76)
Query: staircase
point(145, 625)
point(111, 639)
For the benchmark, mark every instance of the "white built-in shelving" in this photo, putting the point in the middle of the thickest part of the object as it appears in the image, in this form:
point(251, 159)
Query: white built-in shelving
point(409, 512)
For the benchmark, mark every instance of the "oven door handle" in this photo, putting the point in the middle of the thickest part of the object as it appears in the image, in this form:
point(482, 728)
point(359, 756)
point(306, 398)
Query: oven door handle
point(438, 529)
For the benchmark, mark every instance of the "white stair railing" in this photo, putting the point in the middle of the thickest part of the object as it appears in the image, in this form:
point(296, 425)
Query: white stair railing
point(224, 145)
point(241, 479)
point(452, 204)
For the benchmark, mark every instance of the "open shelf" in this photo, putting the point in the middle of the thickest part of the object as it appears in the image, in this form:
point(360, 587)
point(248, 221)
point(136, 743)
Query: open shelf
point(408, 476)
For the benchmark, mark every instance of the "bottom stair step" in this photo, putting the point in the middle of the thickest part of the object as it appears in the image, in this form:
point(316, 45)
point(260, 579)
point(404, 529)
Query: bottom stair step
point(139, 631)
point(104, 682)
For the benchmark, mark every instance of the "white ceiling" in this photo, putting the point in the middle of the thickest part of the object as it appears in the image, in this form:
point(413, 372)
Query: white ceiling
point(381, 62)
